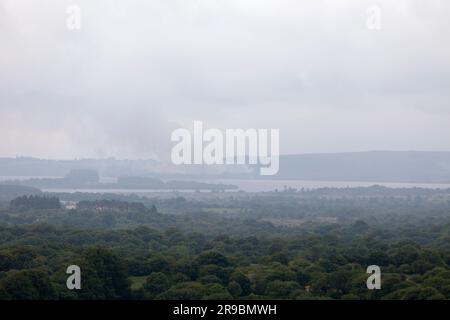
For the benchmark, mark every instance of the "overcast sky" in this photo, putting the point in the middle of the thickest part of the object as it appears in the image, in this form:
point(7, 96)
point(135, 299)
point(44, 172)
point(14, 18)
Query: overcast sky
point(136, 70)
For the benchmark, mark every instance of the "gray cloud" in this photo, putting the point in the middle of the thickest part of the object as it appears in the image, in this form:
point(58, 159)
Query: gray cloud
point(136, 70)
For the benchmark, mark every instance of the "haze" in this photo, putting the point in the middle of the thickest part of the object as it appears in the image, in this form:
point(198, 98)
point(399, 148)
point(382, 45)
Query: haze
point(137, 70)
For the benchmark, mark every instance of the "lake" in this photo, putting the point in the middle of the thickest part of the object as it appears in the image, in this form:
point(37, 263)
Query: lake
point(250, 185)
point(270, 185)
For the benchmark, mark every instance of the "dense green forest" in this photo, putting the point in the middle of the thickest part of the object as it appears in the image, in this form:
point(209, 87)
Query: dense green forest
point(295, 244)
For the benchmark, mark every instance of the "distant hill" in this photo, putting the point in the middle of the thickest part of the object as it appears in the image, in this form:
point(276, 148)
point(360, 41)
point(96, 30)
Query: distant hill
point(27, 166)
point(376, 166)
point(382, 166)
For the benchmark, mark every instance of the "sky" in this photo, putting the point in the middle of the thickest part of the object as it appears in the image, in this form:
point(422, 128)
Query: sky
point(137, 70)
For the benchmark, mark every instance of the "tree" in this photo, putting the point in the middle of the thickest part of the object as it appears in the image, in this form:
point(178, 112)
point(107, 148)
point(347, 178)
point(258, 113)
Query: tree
point(103, 275)
point(156, 283)
point(158, 264)
point(243, 281)
point(235, 289)
point(184, 291)
point(340, 281)
point(35, 202)
point(27, 285)
point(417, 293)
point(281, 289)
point(212, 269)
point(212, 257)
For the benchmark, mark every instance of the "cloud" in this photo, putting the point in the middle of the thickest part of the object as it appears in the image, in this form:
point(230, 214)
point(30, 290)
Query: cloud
point(136, 70)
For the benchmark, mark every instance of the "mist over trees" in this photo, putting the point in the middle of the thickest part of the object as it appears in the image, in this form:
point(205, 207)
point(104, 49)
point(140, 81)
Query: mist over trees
point(35, 202)
point(295, 244)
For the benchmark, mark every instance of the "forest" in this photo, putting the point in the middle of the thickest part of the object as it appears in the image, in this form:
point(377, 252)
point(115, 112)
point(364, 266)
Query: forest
point(292, 244)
